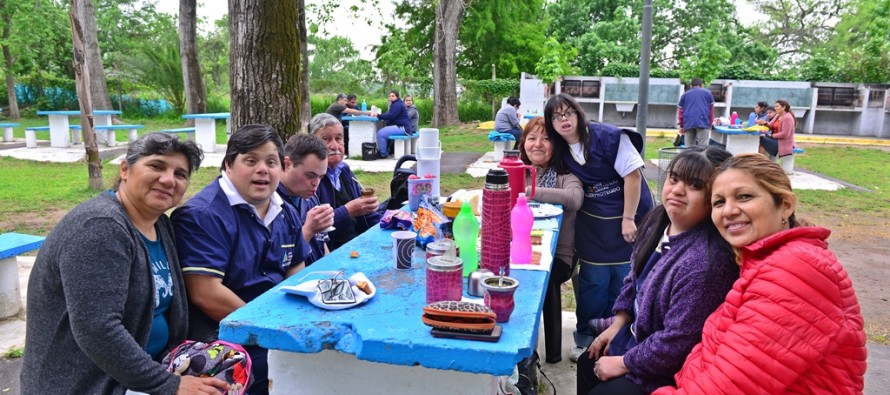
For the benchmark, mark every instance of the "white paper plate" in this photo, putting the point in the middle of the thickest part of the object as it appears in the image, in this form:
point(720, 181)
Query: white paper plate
point(309, 289)
point(544, 210)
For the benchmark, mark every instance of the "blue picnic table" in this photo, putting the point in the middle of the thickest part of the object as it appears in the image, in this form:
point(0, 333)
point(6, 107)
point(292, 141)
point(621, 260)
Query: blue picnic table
point(382, 346)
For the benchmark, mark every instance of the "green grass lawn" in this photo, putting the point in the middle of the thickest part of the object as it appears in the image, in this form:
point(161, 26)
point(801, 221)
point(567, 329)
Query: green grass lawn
point(33, 190)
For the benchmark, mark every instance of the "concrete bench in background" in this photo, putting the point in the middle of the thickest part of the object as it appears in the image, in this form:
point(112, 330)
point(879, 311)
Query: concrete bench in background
point(12, 245)
point(7, 131)
point(110, 129)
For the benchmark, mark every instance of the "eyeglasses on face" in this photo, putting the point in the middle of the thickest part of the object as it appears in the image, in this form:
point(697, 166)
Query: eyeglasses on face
point(564, 116)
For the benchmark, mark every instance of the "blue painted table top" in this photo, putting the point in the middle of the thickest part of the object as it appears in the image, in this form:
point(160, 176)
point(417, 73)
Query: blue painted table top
point(365, 118)
point(76, 113)
point(12, 244)
point(729, 130)
point(214, 115)
point(388, 328)
point(532, 116)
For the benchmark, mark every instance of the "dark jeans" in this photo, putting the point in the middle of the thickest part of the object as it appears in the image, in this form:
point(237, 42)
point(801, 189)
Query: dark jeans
point(259, 371)
point(560, 273)
point(588, 383)
point(599, 286)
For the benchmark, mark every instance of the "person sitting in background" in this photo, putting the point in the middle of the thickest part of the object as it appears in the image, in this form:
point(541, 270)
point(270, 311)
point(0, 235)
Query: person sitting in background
point(507, 119)
point(768, 145)
point(353, 213)
point(340, 107)
point(397, 122)
point(565, 189)
point(783, 132)
point(791, 323)
point(305, 164)
point(413, 115)
point(237, 238)
point(106, 299)
point(682, 270)
point(759, 116)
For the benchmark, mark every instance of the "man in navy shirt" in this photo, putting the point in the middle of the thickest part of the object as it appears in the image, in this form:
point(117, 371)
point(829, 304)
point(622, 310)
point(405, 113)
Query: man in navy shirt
point(237, 238)
point(305, 164)
point(695, 114)
point(353, 213)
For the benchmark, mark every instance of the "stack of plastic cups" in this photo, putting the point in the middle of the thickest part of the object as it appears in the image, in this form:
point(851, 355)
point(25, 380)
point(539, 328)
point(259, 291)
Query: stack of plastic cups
point(429, 156)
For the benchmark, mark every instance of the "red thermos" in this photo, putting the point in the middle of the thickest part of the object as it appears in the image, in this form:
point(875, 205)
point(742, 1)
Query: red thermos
point(496, 222)
point(518, 173)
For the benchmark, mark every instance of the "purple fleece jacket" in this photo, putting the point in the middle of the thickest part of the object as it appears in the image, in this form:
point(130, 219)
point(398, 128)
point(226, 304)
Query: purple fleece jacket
point(680, 292)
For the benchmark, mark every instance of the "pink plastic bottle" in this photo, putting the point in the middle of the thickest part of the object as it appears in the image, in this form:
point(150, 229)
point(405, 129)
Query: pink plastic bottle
point(733, 118)
point(521, 220)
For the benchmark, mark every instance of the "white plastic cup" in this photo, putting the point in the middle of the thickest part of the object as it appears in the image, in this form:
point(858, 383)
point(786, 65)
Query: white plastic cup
point(429, 137)
point(429, 153)
point(403, 249)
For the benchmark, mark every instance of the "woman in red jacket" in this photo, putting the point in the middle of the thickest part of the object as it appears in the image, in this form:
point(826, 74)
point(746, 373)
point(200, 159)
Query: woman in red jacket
point(791, 323)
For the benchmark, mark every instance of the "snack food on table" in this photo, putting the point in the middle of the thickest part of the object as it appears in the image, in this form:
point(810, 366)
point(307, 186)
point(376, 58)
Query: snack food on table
point(353, 254)
point(364, 286)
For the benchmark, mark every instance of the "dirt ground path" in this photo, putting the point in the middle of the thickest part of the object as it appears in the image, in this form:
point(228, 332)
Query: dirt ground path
point(862, 244)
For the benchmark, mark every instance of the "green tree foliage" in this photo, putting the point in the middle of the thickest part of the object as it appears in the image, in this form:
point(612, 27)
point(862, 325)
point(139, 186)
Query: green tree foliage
point(509, 34)
point(555, 61)
point(158, 69)
point(860, 49)
point(797, 28)
point(394, 61)
point(214, 57)
point(335, 66)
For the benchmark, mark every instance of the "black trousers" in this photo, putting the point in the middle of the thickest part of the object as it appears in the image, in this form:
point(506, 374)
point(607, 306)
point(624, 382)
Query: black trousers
point(588, 384)
point(552, 313)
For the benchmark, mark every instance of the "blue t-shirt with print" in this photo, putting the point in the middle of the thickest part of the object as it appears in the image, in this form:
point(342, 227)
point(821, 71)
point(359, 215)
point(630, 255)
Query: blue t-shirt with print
point(163, 283)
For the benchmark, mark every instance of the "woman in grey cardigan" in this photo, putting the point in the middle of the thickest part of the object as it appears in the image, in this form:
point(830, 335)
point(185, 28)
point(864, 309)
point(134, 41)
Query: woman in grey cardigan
point(564, 189)
point(106, 299)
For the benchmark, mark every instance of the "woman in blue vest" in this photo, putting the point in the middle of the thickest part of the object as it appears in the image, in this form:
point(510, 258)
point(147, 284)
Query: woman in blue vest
point(607, 160)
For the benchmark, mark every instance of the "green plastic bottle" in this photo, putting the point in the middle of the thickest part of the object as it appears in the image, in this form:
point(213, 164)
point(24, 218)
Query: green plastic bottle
point(466, 232)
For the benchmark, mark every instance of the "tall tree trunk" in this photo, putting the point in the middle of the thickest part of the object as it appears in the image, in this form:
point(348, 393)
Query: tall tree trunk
point(98, 86)
point(195, 96)
point(266, 64)
point(8, 63)
point(306, 110)
point(448, 16)
point(82, 77)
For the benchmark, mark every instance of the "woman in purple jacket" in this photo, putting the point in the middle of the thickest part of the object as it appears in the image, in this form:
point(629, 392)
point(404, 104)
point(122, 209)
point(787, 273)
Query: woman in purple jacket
point(397, 122)
point(682, 270)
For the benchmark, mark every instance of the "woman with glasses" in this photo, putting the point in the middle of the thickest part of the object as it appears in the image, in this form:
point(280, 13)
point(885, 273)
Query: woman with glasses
point(607, 161)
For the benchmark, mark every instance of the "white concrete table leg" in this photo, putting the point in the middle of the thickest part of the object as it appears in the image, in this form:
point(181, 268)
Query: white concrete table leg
point(59, 135)
point(7, 134)
point(293, 373)
point(10, 294)
point(101, 120)
point(361, 132)
point(205, 133)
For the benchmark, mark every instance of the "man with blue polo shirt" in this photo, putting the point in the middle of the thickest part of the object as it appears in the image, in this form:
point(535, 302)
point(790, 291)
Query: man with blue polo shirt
point(695, 114)
point(237, 238)
point(305, 164)
point(353, 212)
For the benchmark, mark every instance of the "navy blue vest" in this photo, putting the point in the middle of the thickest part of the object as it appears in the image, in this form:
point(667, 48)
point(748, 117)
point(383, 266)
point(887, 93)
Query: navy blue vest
point(598, 238)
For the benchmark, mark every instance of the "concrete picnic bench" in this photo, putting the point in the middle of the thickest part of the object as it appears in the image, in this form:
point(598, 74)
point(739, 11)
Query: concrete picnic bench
point(12, 245)
point(7, 130)
point(404, 144)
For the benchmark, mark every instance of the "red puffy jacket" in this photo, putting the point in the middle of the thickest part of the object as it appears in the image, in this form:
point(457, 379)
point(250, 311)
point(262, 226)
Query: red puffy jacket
point(790, 324)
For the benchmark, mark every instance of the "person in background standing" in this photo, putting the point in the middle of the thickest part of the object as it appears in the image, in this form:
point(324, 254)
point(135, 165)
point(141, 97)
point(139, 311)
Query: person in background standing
point(695, 114)
point(397, 122)
point(607, 160)
point(413, 115)
point(353, 213)
point(305, 164)
point(507, 119)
